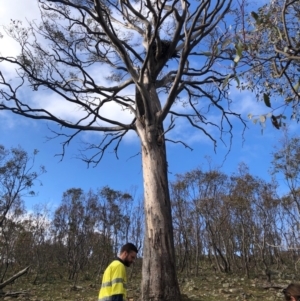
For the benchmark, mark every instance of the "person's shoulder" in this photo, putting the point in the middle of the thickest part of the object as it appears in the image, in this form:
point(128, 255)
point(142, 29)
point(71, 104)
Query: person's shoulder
point(112, 264)
point(117, 262)
point(117, 267)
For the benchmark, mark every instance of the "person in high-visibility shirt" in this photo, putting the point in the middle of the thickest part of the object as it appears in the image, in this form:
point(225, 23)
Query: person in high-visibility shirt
point(114, 279)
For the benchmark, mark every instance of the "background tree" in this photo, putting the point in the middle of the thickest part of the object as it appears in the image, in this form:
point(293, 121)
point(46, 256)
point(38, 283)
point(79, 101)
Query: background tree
point(115, 209)
point(254, 205)
point(239, 220)
point(286, 166)
point(286, 162)
point(17, 177)
point(39, 225)
point(74, 223)
point(76, 40)
point(9, 235)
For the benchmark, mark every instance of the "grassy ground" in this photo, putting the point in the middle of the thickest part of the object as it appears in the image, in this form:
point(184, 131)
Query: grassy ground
point(206, 287)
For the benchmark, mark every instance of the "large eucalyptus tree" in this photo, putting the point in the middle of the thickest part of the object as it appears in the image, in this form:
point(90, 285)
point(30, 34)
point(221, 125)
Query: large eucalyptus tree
point(145, 57)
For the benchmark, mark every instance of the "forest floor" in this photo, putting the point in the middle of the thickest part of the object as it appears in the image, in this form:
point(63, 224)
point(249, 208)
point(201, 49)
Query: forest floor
point(205, 287)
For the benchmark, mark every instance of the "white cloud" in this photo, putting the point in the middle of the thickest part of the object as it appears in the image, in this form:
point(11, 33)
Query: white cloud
point(63, 109)
point(244, 102)
point(16, 9)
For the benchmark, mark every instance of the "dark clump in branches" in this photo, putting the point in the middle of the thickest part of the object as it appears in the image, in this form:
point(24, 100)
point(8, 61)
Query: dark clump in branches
point(164, 50)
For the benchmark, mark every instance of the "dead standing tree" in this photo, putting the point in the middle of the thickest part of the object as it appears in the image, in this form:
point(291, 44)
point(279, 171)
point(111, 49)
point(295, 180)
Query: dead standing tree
point(135, 41)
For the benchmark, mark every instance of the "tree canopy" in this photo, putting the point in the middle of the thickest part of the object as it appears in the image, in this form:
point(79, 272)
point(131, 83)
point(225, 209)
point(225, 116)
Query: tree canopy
point(268, 42)
point(94, 55)
point(17, 178)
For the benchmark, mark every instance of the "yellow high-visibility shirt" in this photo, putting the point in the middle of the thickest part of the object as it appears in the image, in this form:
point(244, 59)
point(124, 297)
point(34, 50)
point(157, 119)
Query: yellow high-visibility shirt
point(114, 281)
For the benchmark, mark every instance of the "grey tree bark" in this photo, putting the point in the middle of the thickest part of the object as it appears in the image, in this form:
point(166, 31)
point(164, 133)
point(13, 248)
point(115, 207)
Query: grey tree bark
point(159, 268)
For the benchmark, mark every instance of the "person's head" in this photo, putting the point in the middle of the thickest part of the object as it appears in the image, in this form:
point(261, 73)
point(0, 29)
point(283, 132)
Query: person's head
point(128, 253)
point(292, 292)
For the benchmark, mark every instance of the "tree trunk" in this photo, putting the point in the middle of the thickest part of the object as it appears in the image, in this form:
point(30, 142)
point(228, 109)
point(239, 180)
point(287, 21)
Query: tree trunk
point(14, 277)
point(159, 279)
point(159, 268)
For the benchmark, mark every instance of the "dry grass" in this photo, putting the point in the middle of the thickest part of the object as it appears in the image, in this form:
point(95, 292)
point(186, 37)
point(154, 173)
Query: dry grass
point(206, 287)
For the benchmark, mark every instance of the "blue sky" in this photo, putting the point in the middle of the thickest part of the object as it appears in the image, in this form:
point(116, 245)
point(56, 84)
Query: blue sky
point(125, 173)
